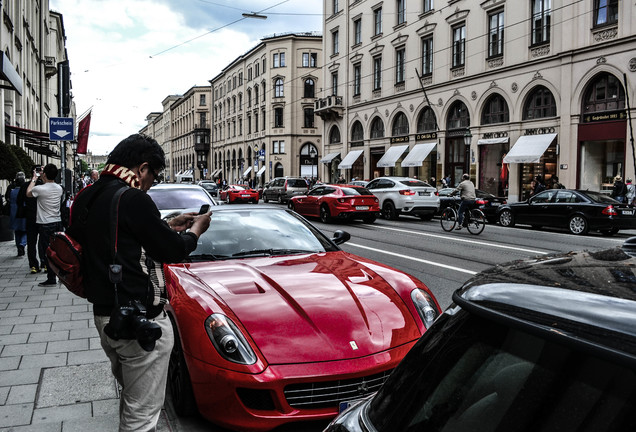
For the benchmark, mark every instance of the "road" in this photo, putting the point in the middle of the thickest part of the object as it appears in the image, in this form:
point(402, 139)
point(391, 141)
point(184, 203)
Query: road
point(443, 261)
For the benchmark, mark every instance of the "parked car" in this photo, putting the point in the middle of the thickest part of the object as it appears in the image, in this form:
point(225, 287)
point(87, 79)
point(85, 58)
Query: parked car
point(210, 186)
point(179, 198)
point(405, 196)
point(577, 210)
point(487, 202)
point(362, 183)
point(543, 344)
point(330, 202)
point(274, 323)
point(281, 189)
point(238, 193)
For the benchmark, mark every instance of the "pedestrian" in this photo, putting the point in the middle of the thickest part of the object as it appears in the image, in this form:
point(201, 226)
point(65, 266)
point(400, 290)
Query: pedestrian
point(341, 179)
point(538, 185)
point(554, 183)
point(446, 181)
point(631, 192)
point(432, 182)
point(30, 212)
point(48, 218)
point(467, 194)
point(140, 369)
point(94, 176)
point(619, 189)
point(16, 217)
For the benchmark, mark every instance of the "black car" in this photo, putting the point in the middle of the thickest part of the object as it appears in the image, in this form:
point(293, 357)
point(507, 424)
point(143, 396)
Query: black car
point(544, 344)
point(577, 210)
point(211, 187)
point(487, 202)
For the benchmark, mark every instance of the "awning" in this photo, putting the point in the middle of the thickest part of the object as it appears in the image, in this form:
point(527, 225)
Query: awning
point(178, 174)
point(349, 159)
point(492, 141)
point(10, 75)
point(185, 174)
point(529, 148)
point(417, 154)
point(391, 156)
point(247, 171)
point(331, 156)
point(261, 171)
point(34, 140)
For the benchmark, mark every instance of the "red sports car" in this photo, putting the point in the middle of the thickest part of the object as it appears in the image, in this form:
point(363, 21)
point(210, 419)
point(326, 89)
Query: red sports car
point(238, 193)
point(274, 323)
point(337, 201)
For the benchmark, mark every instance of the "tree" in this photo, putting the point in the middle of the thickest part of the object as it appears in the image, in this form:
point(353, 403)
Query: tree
point(25, 160)
point(9, 163)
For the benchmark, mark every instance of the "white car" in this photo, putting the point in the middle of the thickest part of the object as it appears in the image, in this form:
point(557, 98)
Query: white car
point(173, 198)
point(405, 196)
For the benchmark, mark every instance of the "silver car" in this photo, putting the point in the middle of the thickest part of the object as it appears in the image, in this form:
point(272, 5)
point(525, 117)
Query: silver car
point(281, 189)
point(405, 196)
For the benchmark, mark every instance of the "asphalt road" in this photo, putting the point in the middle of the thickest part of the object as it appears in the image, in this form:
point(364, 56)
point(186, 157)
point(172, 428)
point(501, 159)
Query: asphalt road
point(443, 261)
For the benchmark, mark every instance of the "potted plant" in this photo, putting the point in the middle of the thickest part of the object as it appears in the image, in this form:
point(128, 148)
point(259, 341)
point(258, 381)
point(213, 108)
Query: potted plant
point(9, 166)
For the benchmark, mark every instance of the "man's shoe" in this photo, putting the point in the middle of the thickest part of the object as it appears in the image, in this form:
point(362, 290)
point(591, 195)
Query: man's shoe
point(48, 283)
point(458, 227)
point(43, 268)
point(20, 250)
point(34, 270)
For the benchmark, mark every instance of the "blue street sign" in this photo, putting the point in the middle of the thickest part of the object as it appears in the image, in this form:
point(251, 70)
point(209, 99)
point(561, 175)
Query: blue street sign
point(261, 152)
point(61, 129)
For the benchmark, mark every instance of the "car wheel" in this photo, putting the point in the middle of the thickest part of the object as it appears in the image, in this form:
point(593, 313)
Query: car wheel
point(179, 379)
point(578, 225)
point(506, 218)
point(280, 199)
point(369, 219)
point(389, 212)
point(325, 216)
point(609, 232)
point(426, 217)
point(227, 198)
point(265, 199)
point(290, 205)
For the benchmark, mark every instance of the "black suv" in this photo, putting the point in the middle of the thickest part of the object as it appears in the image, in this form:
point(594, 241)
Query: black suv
point(536, 345)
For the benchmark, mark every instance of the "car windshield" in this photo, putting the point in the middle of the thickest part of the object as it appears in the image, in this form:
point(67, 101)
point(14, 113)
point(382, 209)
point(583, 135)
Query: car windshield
point(355, 191)
point(483, 376)
point(296, 183)
point(415, 183)
point(598, 197)
point(209, 186)
point(240, 233)
point(178, 198)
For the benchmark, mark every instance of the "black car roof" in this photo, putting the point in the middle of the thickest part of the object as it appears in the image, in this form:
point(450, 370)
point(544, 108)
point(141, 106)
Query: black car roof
point(588, 297)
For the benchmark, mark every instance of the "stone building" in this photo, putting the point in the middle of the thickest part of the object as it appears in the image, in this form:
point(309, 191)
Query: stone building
point(159, 127)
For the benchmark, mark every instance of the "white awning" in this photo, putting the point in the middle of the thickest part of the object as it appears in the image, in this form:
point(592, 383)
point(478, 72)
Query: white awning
point(216, 171)
point(178, 174)
point(261, 171)
point(493, 141)
point(417, 154)
point(331, 156)
point(529, 148)
point(349, 159)
point(391, 156)
point(247, 171)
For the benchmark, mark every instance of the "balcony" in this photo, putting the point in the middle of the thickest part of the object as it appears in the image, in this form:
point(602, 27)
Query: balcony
point(329, 108)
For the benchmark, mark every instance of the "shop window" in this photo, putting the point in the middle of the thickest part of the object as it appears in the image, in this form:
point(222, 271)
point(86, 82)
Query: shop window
point(400, 125)
point(357, 134)
point(539, 104)
point(495, 110)
point(426, 121)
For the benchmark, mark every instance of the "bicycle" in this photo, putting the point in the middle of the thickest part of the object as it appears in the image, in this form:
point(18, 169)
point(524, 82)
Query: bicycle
point(476, 222)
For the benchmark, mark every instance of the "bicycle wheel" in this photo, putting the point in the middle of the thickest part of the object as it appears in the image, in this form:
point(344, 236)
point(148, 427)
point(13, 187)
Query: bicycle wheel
point(477, 222)
point(448, 219)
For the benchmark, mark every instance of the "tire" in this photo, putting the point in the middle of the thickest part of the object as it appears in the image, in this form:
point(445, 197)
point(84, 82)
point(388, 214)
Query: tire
point(426, 217)
point(609, 232)
point(448, 219)
point(280, 199)
point(179, 379)
point(265, 199)
point(290, 205)
point(477, 222)
point(389, 212)
point(578, 225)
point(227, 199)
point(506, 219)
point(369, 219)
point(325, 217)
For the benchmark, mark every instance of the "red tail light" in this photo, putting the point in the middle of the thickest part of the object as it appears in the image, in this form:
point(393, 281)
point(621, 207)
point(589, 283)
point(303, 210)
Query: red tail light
point(436, 193)
point(609, 211)
point(407, 192)
point(481, 202)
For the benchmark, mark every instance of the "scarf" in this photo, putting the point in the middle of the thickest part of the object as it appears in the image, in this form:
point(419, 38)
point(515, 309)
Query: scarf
point(123, 173)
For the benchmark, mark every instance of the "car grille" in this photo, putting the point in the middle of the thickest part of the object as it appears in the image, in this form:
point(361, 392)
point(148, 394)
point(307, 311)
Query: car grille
point(329, 394)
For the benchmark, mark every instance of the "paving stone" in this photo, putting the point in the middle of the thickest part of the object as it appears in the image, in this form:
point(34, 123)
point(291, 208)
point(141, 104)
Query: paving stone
point(83, 333)
point(71, 309)
point(31, 328)
point(9, 313)
point(24, 349)
point(24, 305)
point(37, 311)
point(20, 376)
point(49, 336)
point(52, 318)
point(82, 315)
point(5, 329)
point(18, 320)
point(9, 363)
point(42, 297)
point(62, 413)
point(40, 427)
point(43, 360)
point(76, 384)
point(15, 415)
point(69, 325)
point(13, 339)
point(67, 346)
point(106, 407)
point(101, 424)
point(4, 394)
point(57, 302)
point(86, 357)
point(22, 394)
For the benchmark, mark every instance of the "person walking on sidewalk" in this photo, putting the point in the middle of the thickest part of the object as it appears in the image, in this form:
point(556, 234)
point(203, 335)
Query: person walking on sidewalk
point(30, 212)
point(18, 222)
point(140, 369)
point(48, 218)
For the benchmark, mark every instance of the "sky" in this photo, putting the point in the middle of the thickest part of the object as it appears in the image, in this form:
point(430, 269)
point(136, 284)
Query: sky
point(126, 56)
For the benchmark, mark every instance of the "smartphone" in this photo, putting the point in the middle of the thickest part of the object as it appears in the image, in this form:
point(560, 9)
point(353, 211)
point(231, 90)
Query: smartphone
point(38, 170)
point(204, 209)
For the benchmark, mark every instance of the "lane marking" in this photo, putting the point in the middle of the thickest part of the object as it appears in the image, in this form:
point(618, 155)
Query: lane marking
point(464, 240)
point(470, 272)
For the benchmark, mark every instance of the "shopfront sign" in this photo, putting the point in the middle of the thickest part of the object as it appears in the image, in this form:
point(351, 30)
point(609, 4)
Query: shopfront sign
point(605, 116)
point(426, 136)
point(400, 139)
point(539, 131)
point(491, 135)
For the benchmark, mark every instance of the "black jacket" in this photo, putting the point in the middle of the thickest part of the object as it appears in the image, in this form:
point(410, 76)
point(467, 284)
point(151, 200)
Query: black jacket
point(140, 225)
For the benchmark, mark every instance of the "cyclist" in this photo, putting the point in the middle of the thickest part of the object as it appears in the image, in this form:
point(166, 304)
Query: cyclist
point(467, 194)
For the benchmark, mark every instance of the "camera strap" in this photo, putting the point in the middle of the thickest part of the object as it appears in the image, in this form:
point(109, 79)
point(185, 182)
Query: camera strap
point(115, 270)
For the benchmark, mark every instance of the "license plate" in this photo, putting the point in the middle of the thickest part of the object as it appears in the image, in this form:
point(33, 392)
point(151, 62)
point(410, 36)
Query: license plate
point(627, 212)
point(495, 204)
point(343, 406)
point(245, 196)
point(362, 207)
point(424, 193)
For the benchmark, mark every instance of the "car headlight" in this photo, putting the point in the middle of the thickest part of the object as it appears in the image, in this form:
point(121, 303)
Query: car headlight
point(425, 306)
point(228, 340)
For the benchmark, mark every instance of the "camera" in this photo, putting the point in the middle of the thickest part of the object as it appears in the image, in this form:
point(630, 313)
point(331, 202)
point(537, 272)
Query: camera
point(130, 322)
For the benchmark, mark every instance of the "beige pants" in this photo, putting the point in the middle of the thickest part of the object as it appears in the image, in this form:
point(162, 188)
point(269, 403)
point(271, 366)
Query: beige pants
point(141, 374)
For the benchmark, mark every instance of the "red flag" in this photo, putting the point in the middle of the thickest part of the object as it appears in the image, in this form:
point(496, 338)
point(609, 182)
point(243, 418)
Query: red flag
point(82, 134)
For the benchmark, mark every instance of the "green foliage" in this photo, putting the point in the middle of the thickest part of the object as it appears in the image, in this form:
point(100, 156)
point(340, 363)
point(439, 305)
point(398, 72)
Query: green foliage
point(9, 163)
point(25, 160)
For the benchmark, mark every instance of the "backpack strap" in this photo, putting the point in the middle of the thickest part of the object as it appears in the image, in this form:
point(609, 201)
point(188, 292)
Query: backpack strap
point(115, 269)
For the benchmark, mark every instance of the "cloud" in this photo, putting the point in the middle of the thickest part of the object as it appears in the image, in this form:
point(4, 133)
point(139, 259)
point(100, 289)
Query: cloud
point(126, 56)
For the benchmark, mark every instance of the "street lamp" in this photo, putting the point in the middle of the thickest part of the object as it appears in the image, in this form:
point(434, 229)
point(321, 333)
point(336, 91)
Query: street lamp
point(468, 137)
point(312, 154)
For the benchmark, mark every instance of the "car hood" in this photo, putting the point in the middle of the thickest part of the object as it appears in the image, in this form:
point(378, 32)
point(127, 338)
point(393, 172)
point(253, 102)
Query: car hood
point(317, 307)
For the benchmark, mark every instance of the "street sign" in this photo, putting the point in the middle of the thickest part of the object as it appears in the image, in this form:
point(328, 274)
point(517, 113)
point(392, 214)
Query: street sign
point(61, 129)
point(261, 152)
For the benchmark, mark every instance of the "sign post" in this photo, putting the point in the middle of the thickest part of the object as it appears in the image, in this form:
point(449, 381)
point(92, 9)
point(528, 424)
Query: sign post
point(62, 129)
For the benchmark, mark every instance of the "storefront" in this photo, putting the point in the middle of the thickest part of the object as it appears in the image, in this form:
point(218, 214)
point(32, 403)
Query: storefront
point(423, 158)
point(493, 171)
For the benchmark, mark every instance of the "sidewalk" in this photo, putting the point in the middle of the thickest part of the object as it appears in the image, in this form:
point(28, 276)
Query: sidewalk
point(54, 375)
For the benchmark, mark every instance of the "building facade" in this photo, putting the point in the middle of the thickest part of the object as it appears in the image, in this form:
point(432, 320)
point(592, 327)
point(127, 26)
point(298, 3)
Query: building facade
point(263, 123)
point(159, 127)
point(500, 90)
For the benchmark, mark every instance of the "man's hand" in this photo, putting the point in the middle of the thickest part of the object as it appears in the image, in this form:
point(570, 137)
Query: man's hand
point(182, 222)
point(201, 224)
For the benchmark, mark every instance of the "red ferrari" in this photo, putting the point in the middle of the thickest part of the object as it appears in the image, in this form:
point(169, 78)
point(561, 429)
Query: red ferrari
point(238, 193)
point(274, 323)
point(329, 202)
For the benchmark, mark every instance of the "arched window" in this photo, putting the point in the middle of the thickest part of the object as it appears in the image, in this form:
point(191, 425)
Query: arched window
point(278, 170)
point(334, 135)
point(495, 110)
point(458, 117)
point(400, 125)
point(604, 93)
point(309, 88)
point(357, 134)
point(249, 97)
point(256, 94)
point(426, 121)
point(539, 104)
point(278, 87)
point(377, 128)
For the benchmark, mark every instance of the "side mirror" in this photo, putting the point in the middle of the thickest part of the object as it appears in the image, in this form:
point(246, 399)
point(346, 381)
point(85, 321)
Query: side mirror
point(340, 237)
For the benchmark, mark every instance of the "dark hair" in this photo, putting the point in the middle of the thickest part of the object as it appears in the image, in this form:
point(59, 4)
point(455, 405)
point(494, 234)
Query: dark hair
point(465, 177)
point(137, 149)
point(51, 171)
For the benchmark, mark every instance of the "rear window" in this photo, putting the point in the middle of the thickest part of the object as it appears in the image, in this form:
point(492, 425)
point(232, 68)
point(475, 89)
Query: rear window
point(355, 191)
point(598, 197)
point(296, 183)
point(415, 183)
